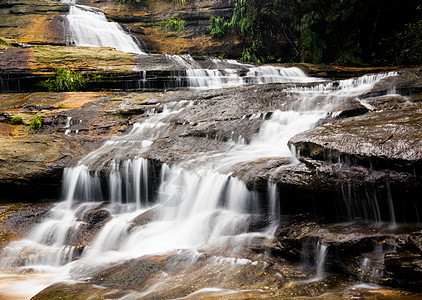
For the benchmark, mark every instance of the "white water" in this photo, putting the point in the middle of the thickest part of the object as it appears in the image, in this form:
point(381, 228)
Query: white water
point(198, 203)
point(89, 27)
point(194, 209)
point(321, 254)
point(231, 73)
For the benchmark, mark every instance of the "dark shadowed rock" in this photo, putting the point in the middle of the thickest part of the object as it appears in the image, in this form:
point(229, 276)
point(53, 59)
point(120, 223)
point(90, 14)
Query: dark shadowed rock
point(96, 216)
point(404, 270)
point(353, 248)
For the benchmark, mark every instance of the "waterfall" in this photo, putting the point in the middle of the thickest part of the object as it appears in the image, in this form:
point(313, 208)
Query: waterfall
point(89, 27)
point(321, 254)
point(195, 204)
point(230, 73)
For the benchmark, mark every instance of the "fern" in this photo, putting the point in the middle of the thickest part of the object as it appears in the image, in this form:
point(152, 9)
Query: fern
point(175, 24)
point(65, 80)
point(218, 27)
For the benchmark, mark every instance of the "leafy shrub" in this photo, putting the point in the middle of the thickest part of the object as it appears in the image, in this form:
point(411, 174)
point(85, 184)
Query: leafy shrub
point(96, 77)
point(65, 80)
point(175, 24)
point(16, 121)
point(218, 27)
point(312, 47)
point(36, 123)
point(240, 18)
point(411, 41)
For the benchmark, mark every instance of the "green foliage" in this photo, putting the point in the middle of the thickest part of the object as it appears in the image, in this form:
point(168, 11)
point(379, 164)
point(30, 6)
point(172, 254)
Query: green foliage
point(4, 42)
point(251, 54)
point(218, 27)
point(180, 2)
point(411, 41)
point(36, 123)
point(239, 19)
point(16, 121)
point(175, 24)
point(346, 31)
point(65, 80)
point(96, 77)
point(312, 47)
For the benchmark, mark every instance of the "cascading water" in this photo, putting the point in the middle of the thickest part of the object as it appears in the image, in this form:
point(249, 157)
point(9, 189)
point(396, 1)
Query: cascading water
point(194, 205)
point(230, 73)
point(89, 27)
point(321, 254)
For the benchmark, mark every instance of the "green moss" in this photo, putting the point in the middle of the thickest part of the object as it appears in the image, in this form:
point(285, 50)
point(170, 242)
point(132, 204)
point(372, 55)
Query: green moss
point(36, 123)
point(4, 42)
point(16, 121)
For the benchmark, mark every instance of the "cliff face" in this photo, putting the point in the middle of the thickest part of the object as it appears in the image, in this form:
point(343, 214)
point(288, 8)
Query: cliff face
point(194, 39)
point(42, 22)
point(33, 22)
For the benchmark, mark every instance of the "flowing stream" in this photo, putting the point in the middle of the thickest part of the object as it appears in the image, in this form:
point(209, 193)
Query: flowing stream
point(195, 205)
point(191, 206)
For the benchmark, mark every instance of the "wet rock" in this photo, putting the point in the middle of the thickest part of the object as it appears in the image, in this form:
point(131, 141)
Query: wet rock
point(354, 250)
point(218, 117)
point(17, 220)
point(131, 274)
point(79, 291)
point(404, 270)
point(96, 217)
point(146, 217)
point(413, 242)
point(407, 83)
point(257, 223)
point(35, 22)
point(384, 138)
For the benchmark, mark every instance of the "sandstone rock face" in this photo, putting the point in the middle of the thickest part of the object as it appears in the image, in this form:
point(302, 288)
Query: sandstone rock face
point(17, 220)
point(33, 22)
point(35, 159)
point(144, 21)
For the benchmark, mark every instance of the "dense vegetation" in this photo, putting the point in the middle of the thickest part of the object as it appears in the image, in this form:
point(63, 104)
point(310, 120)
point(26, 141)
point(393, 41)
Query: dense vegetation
point(344, 31)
